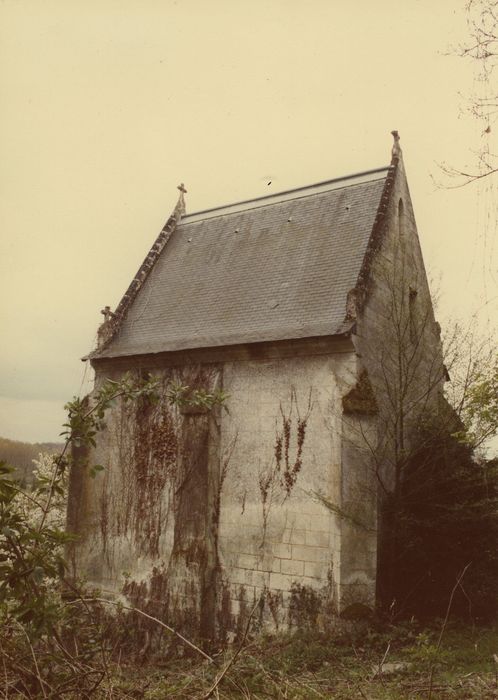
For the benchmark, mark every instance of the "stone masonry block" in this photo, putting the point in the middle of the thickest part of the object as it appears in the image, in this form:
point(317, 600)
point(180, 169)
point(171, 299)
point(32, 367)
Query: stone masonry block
point(230, 544)
point(319, 522)
point(234, 587)
point(256, 578)
point(318, 539)
point(293, 536)
point(289, 566)
point(282, 551)
point(248, 576)
point(267, 562)
point(248, 561)
point(281, 582)
point(315, 569)
point(286, 599)
point(261, 579)
point(238, 576)
point(305, 553)
point(302, 521)
point(230, 559)
point(234, 607)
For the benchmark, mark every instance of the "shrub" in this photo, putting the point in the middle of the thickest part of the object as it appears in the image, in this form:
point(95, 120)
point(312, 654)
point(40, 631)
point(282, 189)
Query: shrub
point(447, 519)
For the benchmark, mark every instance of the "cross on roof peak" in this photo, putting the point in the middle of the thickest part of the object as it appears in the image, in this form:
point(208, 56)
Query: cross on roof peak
point(107, 313)
point(182, 189)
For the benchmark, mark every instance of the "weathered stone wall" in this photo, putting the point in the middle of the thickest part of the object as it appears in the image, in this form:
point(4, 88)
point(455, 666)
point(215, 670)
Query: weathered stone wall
point(396, 337)
point(359, 508)
point(282, 450)
point(397, 342)
point(128, 524)
point(197, 516)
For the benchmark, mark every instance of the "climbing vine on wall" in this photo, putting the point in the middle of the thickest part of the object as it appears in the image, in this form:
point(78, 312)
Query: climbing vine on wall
point(138, 496)
point(134, 500)
point(154, 456)
point(288, 466)
point(278, 479)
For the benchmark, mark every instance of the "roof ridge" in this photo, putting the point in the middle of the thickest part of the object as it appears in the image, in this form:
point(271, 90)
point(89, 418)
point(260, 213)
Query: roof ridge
point(276, 195)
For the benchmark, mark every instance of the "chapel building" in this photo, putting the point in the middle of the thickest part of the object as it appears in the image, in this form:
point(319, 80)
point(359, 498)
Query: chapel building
point(310, 310)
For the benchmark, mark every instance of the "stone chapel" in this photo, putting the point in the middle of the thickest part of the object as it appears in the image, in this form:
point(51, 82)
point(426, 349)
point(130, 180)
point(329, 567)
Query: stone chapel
point(311, 310)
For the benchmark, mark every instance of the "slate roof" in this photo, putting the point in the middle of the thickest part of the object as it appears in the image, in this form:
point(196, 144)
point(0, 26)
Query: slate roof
point(275, 268)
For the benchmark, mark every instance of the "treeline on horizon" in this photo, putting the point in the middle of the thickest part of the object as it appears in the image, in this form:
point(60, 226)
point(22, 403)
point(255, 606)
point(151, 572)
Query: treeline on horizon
point(21, 455)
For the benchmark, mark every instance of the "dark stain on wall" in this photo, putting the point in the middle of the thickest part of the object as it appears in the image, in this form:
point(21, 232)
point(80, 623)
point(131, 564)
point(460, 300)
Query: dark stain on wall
point(154, 459)
point(184, 456)
point(360, 400)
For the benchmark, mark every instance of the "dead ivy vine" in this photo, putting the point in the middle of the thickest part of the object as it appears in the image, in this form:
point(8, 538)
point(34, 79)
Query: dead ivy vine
point(280, 476)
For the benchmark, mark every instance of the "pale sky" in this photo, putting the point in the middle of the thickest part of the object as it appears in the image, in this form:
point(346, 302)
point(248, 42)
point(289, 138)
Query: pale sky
point(106, 106)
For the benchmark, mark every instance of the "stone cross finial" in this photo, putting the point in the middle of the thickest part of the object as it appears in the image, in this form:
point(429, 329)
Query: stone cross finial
point(107, 313)
point(396, 152)
point(180, 209)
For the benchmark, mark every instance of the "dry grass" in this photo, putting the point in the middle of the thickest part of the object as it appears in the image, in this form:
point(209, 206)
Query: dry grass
point(316, 665)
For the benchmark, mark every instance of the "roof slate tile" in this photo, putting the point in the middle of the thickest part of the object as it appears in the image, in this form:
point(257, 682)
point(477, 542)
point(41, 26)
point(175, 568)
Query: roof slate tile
point(274, 271)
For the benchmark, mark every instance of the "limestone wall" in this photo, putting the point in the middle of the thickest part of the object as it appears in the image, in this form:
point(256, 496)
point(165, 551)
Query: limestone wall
point(199, 516)
point(397, 338)
point(397, 342)
point(282, 446)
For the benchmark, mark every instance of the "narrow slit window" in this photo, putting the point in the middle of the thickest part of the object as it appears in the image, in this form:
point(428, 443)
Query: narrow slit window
point(401, 218)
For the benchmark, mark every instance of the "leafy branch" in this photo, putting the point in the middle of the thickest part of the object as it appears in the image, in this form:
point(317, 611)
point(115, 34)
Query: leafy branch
point(51, 646)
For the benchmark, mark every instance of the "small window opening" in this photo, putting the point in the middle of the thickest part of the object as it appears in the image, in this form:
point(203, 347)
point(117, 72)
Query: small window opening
point(401, 218)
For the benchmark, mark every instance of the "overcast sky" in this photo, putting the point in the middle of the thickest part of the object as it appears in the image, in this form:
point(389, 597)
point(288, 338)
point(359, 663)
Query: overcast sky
point(107, 105)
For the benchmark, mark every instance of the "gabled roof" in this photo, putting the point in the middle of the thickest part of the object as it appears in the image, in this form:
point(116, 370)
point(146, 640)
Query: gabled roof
point(268, 269)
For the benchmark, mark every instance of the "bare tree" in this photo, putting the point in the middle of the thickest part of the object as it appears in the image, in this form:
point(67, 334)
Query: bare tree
point(416, 411)
point(481, 49)
point(472, 362)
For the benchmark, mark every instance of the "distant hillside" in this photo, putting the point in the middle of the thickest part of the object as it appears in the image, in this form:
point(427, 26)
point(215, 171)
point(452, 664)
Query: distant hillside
point(21, 455)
